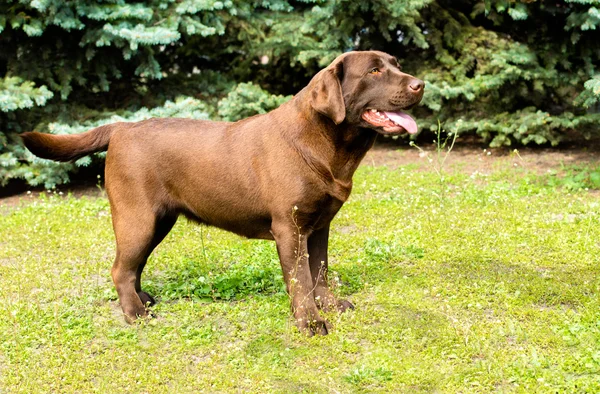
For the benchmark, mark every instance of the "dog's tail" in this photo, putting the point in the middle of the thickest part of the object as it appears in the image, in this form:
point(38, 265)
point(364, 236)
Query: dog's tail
point(69, 146)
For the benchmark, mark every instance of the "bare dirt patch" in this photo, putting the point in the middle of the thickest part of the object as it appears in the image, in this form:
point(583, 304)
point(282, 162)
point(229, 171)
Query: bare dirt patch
point(15, 199)
point(470, 156)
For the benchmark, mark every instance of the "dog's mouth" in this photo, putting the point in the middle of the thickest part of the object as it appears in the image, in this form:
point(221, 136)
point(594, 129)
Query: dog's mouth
point(391, 122)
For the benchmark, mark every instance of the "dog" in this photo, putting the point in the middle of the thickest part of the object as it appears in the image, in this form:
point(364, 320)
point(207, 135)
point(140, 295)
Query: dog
point(281, 176)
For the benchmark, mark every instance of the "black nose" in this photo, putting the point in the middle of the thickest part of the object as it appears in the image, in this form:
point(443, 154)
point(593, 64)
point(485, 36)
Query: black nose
point(416, 85)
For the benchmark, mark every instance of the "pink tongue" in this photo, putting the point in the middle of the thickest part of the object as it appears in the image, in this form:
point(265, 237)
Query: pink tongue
point(404, 120)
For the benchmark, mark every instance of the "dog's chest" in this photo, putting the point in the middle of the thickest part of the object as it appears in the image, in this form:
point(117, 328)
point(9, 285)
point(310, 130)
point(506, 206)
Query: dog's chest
point(316, 210)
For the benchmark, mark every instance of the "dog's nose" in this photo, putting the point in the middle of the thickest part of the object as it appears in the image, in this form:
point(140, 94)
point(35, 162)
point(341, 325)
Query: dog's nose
point(416, 85)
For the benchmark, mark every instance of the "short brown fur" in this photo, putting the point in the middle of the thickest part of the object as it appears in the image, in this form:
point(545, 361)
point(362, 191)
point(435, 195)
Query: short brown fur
point(281, 176)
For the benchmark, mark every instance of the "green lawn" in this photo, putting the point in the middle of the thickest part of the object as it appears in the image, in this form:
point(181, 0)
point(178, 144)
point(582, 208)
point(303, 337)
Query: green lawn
point(478, 284)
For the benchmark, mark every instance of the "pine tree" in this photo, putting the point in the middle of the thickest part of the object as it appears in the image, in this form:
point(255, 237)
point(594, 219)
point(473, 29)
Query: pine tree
point(518, 71)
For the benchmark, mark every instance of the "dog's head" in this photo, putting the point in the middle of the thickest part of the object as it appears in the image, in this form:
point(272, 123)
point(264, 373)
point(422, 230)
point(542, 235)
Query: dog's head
point(369, 90)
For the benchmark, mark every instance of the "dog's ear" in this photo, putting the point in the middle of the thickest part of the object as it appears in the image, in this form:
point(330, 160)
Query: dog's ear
point(327, 97)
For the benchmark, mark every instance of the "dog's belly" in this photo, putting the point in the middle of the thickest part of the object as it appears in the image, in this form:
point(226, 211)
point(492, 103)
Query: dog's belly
point(228, 210)
point(257, 227)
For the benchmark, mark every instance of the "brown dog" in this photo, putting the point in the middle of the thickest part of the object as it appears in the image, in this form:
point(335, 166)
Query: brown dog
point(281, 176)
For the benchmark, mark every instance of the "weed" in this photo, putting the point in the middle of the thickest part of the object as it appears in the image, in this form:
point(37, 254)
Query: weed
point(575, 177)
point(437, 163)
point(363, 376)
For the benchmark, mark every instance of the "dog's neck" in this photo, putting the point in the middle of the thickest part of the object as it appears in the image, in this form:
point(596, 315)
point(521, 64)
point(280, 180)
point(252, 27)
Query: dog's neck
point(332, 151)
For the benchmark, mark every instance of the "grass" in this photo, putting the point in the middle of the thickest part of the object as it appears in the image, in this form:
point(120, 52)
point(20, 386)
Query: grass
point(493, 288)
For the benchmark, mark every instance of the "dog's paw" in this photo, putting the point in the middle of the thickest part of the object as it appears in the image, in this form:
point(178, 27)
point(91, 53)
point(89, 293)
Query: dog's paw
point(343, 305)
point(150, 318)
point(139, 314)
point(147, 299)
point(314, 326)
point(331, 304)
point(310, 322)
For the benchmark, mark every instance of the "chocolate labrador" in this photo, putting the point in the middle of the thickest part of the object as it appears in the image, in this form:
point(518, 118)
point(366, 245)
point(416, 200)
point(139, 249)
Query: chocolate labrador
point(280, 176)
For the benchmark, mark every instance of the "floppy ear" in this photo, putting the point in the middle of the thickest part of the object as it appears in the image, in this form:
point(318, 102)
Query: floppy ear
point(326, 95)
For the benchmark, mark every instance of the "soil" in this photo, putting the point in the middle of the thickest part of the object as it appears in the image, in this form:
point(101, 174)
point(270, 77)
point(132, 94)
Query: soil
point(11, 198)
point(468, 155)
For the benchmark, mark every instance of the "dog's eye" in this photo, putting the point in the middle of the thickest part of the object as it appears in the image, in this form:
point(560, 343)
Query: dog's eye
point(374, 70)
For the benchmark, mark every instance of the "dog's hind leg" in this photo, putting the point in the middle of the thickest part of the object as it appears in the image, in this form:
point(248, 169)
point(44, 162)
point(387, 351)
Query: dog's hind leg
point(137, 232)
point(162, 228)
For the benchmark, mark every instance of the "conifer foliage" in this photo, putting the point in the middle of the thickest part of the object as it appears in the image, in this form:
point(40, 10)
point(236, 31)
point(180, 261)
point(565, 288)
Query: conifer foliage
point(518, 71)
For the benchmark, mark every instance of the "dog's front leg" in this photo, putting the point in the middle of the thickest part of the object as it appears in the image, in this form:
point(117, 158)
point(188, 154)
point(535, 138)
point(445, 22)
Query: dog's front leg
point(318, 243)
point(293, 255)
